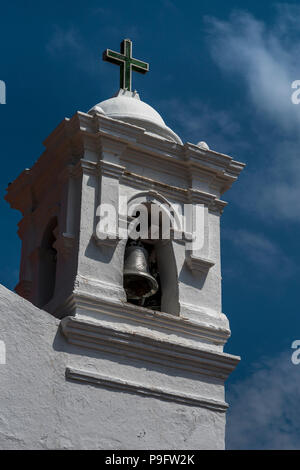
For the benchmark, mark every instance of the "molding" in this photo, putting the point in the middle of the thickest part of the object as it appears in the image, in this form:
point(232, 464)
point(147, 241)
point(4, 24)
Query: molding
point(218, 206)
point(97, 289)
point(212, 329)
point(190, 157)
point(88, 167)
point(183, 195)
point(111, 169)
point(209, 317)
point(117, 130)
point(107, 239)
point(163, 189)
point(201, 197)
point(84, 129)
point(224, 169)
point(113, 147)
point(169, 353)
point(198, 264)
point(170, 163)
point(93, 378)
point(208, 199)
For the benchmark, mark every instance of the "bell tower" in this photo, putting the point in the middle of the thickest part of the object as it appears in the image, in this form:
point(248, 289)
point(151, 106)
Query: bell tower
point(146, 307)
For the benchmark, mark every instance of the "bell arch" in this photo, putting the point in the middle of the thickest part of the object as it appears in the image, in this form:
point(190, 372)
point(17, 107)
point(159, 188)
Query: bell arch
point(47, 263)
point(161, 255)
point(153, 197)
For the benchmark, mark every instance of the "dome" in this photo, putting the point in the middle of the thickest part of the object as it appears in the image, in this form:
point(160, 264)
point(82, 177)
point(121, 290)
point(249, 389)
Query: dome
point(128, 107)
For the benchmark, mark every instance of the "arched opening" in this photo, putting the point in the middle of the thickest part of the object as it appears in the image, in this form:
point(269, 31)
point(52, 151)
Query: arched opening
point(47, 265)
point(148, 262)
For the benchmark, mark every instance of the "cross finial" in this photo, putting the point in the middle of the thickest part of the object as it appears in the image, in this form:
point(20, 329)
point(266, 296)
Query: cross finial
point(126, 62)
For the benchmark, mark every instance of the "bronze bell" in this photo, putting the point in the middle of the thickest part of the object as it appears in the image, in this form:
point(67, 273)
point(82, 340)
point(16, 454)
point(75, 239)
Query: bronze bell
point(138, 281)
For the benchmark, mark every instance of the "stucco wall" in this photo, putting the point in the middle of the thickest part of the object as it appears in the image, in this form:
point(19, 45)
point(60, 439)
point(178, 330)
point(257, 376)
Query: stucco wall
point(40, 409)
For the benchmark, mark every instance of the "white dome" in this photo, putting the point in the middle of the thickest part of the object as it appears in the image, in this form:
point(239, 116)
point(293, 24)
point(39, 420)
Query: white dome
point(128, 107)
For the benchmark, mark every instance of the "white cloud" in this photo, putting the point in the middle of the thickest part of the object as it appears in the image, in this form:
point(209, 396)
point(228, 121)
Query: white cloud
point(84, 53)
point(262, 58)
point(196, 121)
point(265, 407)
point(260, 251)
point(68, 44)
point(64, 39)
point(265, 59)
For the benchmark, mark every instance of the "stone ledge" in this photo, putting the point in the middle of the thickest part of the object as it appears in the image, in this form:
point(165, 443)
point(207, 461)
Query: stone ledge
point(93, 378)
point(201, 265)
point(207, 328)
point(148, 348)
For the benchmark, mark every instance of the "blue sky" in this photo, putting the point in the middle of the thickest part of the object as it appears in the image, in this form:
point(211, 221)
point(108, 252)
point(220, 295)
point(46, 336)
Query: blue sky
point(219, 72)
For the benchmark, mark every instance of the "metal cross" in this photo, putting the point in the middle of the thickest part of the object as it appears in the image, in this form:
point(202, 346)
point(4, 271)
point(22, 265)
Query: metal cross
point(126, 62)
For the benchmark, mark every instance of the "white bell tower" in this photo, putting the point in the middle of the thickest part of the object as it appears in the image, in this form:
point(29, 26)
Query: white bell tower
point(166, 362)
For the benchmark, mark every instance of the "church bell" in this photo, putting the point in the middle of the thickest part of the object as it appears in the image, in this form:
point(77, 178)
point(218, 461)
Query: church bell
point(138, 281)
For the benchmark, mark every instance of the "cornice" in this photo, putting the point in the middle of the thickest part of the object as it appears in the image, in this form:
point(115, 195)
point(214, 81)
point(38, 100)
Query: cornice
point(183, 195)
point(200, 197)
point(117, 130)
point(67, 142)
point(195, 153)
point(223, 168)
point(135, 136)
point(111, 169)
point(88, 168)
point(142, 182)
point(166, 163)
point(218, 206)
point(213, 330)
point(165, 352)
point(161, 393)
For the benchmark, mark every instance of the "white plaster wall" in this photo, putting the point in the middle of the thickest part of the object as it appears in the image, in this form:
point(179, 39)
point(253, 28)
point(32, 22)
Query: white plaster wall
point(205, 290)
point(147, 166)
point(39, 409)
